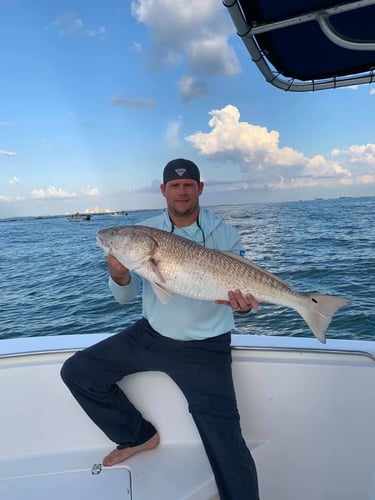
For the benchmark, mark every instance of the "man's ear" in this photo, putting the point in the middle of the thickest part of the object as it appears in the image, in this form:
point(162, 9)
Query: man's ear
point(162, 189)
point(201, 186)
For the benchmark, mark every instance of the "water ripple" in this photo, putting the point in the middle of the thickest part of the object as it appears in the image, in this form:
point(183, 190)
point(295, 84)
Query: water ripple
point(54, 279)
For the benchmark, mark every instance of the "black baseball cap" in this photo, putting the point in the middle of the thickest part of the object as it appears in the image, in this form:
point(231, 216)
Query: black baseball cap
point(181, 169)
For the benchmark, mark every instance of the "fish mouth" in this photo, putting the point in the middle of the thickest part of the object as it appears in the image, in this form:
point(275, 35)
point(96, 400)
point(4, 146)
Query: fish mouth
point(101, 244)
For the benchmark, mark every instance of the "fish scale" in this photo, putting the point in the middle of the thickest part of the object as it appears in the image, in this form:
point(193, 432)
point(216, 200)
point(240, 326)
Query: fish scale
point(235, 273)
point(176, 265)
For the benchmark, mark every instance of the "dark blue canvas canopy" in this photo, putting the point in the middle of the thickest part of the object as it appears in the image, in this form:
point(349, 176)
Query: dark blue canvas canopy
point(304, 45)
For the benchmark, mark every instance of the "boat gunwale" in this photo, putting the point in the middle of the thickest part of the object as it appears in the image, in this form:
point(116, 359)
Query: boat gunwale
point(342, 347)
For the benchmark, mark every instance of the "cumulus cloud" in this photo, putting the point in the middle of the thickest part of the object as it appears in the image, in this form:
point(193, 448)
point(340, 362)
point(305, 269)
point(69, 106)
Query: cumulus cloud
point(265, 164)
point(204, 60)
point(68, 24)
point(132, 102)
point(364, 154)
point(360, 158)
point(51, 193)
point(14, 180)
point(191, 33)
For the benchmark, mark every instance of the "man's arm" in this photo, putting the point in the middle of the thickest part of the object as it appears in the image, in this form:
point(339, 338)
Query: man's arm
point(123, 284)
point(119, 273)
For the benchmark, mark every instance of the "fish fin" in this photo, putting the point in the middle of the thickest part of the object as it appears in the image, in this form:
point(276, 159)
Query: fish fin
point(250, 263)
point(318, 312)
point(154, 268)
point(162, 294)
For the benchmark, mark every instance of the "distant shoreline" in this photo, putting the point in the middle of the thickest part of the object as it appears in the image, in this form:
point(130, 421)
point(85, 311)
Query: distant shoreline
point(126, 212)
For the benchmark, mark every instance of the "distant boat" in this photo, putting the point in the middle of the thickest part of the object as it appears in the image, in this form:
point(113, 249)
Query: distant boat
point(79, 217)
point(122, 212)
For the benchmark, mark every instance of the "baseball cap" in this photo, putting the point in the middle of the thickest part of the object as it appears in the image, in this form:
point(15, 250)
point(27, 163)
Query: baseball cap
point(180, 169)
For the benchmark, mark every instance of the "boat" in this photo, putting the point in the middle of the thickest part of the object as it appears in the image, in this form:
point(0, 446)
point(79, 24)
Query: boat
point(77, 217)
point(307, 409)
point(118, 213)
point(307, 413)
point(308, 45)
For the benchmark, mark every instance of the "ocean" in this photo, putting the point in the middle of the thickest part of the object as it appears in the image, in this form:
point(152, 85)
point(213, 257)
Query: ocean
point(54, 278)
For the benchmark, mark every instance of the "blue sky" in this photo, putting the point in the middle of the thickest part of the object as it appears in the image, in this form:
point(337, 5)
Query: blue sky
point(96, 96)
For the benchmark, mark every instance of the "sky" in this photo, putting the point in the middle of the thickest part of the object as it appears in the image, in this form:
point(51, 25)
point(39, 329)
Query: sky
point(97, 96)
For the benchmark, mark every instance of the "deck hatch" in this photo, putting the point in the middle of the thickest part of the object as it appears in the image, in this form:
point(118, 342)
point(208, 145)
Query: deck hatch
point(95, 483)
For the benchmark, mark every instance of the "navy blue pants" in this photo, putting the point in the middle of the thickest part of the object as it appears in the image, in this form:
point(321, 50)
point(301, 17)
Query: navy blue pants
point(201, 368)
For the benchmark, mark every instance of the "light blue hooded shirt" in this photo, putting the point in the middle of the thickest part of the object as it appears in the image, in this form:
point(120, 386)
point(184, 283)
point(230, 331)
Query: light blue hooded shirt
point(183, 318)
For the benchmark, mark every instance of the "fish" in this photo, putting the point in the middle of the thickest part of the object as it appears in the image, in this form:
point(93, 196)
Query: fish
point(176, 265)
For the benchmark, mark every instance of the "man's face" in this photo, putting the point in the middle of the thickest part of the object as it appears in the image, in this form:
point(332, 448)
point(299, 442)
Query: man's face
point(182, 196)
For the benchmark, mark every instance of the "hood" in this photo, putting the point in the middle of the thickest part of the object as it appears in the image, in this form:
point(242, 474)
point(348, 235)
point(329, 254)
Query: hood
point(208, 221)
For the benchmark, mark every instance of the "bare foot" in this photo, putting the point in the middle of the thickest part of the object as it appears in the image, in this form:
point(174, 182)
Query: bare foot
point(117, 456)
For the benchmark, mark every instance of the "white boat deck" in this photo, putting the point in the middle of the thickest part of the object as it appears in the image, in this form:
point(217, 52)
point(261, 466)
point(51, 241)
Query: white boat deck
point(308, 416)
point(168, 473)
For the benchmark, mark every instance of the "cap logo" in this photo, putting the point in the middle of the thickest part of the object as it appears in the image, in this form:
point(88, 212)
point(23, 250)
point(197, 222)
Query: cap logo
point(180, 171)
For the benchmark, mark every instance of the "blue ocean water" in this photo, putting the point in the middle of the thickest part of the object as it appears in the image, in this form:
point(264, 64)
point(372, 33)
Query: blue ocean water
point(54, 278)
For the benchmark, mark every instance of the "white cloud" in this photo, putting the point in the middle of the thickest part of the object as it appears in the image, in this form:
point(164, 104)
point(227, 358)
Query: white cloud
point(192, 33)
point(6, 124)
point(89, 191)
point(372, 91)
point(263, 163)
point(51, 193)
point(68, 24)
point(14, 180)
point(203, 57)
point(100, 32)
point(191, 88)
point(364, 153)
point(360, 158)
point(172, 134)
point(137, 48)
point(7, 153)
point(366, 179)
point(357, 154)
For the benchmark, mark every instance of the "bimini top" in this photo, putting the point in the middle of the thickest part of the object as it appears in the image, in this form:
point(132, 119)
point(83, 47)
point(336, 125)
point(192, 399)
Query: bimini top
point(305, 45)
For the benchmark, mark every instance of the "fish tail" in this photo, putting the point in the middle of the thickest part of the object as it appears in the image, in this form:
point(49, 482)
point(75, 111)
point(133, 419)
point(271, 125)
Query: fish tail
point(318, 311)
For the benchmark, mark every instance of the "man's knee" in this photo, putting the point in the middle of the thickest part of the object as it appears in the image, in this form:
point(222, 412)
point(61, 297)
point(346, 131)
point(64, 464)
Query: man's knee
point(72, 369)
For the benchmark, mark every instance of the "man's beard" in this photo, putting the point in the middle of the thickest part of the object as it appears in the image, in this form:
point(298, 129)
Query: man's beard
point(187, 211)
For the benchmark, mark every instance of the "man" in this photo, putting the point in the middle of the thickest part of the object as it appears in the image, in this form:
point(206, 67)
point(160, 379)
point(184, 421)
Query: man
point(190, 342)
